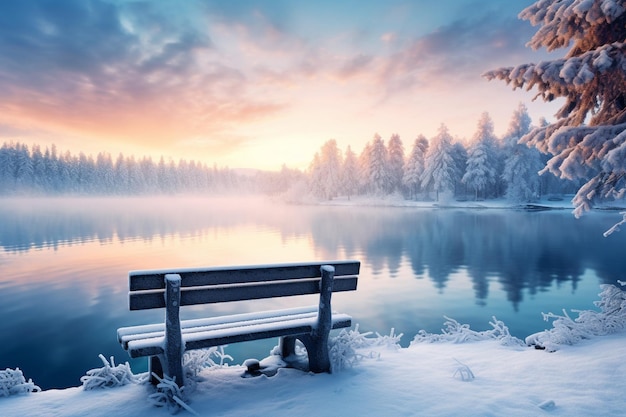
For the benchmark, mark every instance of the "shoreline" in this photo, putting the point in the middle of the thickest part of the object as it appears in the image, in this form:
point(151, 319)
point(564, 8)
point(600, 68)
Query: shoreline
point(563, 203)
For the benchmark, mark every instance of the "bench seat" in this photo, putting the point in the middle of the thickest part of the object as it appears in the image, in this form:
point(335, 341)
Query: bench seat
point(148, 340)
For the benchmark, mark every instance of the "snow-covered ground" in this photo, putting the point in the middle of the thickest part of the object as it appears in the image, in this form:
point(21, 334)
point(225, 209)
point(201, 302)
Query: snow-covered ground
point(458, 372)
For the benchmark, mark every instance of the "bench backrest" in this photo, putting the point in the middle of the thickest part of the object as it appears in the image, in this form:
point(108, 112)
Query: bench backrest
point(223, 284)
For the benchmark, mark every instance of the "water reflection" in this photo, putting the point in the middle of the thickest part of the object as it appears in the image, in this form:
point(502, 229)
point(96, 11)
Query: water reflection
point(63, 287)
point(522, 250)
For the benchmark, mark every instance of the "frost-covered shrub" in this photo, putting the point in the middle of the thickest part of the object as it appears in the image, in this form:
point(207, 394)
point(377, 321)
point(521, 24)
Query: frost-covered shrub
point(196, 360)
point(168, 394)
point(567, 331)
point(108, 376)
point(343, 348)
point(456, 332)
point(12, 382)
point(390, 341)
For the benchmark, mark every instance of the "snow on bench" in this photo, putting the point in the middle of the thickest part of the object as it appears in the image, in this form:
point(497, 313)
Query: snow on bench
point(164, 343)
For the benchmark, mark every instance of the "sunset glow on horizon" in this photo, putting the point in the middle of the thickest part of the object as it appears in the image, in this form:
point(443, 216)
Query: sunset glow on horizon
point(254, 83)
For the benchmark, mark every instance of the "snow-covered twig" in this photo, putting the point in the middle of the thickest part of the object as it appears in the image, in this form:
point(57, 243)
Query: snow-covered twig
point(343, 348)
point(615, 227)
point(108, 376)
point(169, 394)
point(390, 341)
point(463, 371)
point(196, 360)
point(567, 331)
point(456, 332)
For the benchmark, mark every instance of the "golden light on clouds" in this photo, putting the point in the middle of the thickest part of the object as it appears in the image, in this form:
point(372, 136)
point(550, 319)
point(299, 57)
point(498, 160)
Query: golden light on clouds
point(252, 86)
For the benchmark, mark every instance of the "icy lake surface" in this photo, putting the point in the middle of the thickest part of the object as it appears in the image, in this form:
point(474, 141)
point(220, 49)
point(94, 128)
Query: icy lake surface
point(64, 266)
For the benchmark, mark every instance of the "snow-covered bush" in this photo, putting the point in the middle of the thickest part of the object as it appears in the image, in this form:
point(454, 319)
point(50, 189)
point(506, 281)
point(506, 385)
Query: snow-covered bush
point(456, 332)
point(196, 360)
point(343, 347)
point(567, 331)
point(108, 376)
point(168, 394)
point(12, 382)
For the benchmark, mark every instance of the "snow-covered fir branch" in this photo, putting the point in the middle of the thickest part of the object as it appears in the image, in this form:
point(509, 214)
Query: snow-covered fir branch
point(587, 140)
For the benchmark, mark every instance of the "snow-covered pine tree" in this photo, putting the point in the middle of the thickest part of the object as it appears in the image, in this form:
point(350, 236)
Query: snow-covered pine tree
point(364, 167)
point(522, 164)
point(163, 176)
point(378, 173)
point(315, 176)
point(105, 175)
point(149, 173)
point(459, 156)
point(121, 174)
point(39, 169)
point(330, 159)
point(325, 171)
point(439, 171)
point(53, 168)
point(589, 138)
point(85, 170)
point(518, 126)
point(480, 173)
point(23, 167)
point(66, 172)
point(135, 177)
point(350, 173)
point(395, 165)
point(415, 166)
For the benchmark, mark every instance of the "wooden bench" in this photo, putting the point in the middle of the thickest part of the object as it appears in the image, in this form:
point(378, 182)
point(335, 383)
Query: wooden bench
point(166, 342)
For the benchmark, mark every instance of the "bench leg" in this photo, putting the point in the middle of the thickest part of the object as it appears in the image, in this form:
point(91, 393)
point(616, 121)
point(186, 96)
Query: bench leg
point(155, 366)
point(287, 345)
point(317, 348)
point(317, 342)
point(173, 341)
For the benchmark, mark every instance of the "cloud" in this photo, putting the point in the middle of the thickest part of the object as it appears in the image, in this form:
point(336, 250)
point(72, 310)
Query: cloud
point(218, 75)
point(118, 68)
point(388, 37)
point(355, 65)
point(455, 53)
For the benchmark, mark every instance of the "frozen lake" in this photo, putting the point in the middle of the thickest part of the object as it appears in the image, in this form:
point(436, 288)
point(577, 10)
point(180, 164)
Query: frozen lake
point(64, 266)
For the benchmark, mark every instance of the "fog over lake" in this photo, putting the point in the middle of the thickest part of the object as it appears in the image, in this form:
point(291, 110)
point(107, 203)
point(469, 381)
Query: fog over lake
point(65, 263)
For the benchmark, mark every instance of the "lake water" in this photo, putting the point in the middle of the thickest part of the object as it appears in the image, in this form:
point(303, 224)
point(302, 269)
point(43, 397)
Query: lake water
point(64, 266)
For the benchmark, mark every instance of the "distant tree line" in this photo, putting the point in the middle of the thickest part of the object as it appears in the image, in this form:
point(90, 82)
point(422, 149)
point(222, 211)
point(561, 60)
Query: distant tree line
point(485, 167)
point(33, 171)
point(482, 168)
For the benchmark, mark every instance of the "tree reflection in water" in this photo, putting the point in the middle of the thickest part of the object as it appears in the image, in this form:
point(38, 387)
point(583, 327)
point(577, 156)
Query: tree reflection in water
point(65, 264)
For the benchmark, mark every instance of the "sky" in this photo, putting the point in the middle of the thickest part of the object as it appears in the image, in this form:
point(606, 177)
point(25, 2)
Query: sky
point(253, 83)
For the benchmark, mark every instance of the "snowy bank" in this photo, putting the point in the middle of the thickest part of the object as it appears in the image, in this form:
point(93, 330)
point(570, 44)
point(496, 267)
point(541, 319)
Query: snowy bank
point(422, 380)
point(395, 200)
point(458, 372)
